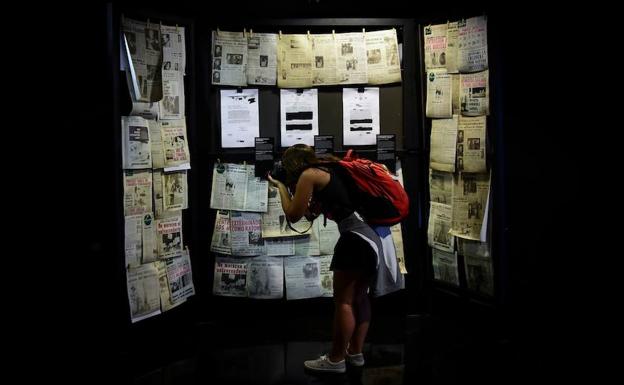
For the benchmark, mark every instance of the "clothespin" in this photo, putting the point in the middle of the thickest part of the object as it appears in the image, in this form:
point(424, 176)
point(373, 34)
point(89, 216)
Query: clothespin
point(309, 35)
point(280, 35)
point(218, 161)
point(245, 163)
point(177, 28)
point(160, 23)
point(218, 31)
point(360, 90)
point(244, 32)
point(334, 34)
point(250, 32)
point(364, 32)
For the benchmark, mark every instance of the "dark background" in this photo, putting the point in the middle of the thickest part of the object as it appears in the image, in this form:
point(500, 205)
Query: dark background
point(539, 181)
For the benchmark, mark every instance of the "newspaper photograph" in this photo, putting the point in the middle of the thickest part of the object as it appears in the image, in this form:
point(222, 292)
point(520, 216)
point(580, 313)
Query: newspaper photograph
point(324, 53)
point(438, 232)
point(479, 274)
point(440, 186)
point(262, 58)
point(471, 144)
point(443, 144)
point(180, 277)
point(221, 238)
point(439, 94)
point(235, 187)
point(309, 244)
point(174, 142)
point(435, 46)
point(144, 52)
point(397, 238)
point(158, 155)
point(351, 61)
point(239, 118)
point(279, 246)
point(135, 143)
point(150, 246)
point(229, 58)
point(230, 277)
point(137, 192)
point(382, 57)
point(246, 233)
point(328, 235)
point(175, 191)
point(327, 276)
point(143, 292)
point(274, 223)
point(157, 186)
point(169, 236)
point(265, 277)
point(474, 90)
point(303, 278)
point(146, 110)
point(298, 116)
point(360, 119)
point(472, 45)
point(174, 48)
point(445, 266)
point(294, 61)
point(172, 104)
point(470, 195)
point(452, 50)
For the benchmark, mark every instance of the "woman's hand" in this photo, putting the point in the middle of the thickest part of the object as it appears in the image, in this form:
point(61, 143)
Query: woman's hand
point(273, 182)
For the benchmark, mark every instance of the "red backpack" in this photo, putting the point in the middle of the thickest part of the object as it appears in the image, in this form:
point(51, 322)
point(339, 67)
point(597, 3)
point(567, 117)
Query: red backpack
point(378, 195)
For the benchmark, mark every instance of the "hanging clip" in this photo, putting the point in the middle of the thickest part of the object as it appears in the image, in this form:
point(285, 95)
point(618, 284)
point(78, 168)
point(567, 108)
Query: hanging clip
point(245, 163)
point(177, 29)
point(280, 35)
point(244, 32)
point(218, 31)
point(218, 160)
point(309, 35)
point(360, 90)
point(334, 34)
point(251, 33)
point(364, 32)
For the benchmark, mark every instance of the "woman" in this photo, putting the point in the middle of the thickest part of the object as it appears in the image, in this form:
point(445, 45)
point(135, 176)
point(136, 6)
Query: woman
point(355, 257)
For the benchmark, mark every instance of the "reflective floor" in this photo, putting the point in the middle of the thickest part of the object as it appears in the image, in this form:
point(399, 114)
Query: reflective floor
point(416, 350)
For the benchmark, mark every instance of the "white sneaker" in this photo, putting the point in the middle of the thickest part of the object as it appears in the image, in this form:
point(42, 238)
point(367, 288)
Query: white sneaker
point(355, 359)
point(323, 364)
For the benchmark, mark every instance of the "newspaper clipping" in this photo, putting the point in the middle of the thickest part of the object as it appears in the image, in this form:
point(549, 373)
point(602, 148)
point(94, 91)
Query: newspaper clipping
point(158, 156)
point(172, 103)
point(265, 278)
point(279, 246)
point(438, 233)
point(435, 46)
point(165, 293)
point(235, 187)
point(135, 143)
point(397, 238)
point(456, 94)
point(144, 52)
point(221, 238)
point(175, 191)
point(274, 223)
point(474, 92)
point(303, 278)
point(133, 239)
point(439, 94)
point(471, 144)
point(445, 266)
point(169, 233)
point(145, 110)
point(440, 186)
point(452, 35)
point(180, 277)
point(328, 235)
point(246, 233)
point(443, 144)
point(294, 61)
point(472, 45)
point(137, 192)
point(382, 53)
point(143, 291)
point(479, 275)
point(174, 143)
point(327, 276)
point(230, 277)
point(351, 61)
point(262, 59)
point(174, 48)
point(309, 244)
point(470, 195)
point(324, 52)
point(229, 58)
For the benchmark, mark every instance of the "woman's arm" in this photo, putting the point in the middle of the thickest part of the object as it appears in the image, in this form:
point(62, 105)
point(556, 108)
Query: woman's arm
point(296, 207)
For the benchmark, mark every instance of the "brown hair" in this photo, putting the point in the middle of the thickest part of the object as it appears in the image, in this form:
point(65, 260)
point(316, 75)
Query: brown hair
point(298, 158)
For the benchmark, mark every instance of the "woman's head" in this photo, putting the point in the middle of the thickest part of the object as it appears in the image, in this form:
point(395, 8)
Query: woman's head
point(296, 159)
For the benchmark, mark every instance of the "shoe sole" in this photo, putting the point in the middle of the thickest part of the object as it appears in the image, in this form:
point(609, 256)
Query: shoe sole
point(325, 370)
